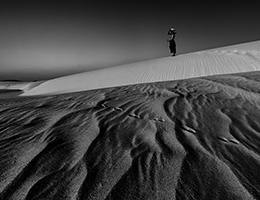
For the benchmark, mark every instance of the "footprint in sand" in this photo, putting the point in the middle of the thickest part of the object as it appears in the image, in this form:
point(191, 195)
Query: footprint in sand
point(223, 139)
point(135, 116)
point(103, 105)
point(188, 129)
point(118, 109)
point(234, 141)
point(159, 119)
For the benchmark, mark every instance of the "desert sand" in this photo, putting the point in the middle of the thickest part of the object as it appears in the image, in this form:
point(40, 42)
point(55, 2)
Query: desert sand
point(225, 60)
point(193, 138)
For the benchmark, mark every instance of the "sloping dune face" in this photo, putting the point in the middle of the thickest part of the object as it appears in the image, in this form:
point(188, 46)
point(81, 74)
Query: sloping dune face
point(189, 139)
point(231, 59)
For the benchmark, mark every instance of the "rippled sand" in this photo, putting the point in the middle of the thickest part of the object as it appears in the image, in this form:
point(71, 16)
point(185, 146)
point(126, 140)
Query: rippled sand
point(187, 139)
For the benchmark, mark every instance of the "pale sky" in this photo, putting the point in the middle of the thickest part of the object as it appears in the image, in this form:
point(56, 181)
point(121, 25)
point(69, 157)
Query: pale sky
point(47, 39)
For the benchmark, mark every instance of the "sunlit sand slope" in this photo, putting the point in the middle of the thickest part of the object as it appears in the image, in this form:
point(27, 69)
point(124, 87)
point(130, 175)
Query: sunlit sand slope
point(188, 139)
point(231, 59)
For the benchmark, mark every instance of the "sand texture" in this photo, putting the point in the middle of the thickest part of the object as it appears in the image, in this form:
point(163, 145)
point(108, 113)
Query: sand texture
point(186, 139)
point(225, 60)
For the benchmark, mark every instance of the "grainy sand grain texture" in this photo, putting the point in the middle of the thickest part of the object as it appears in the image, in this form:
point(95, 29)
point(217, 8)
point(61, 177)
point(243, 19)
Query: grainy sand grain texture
point(186, 139)
point(184, 128)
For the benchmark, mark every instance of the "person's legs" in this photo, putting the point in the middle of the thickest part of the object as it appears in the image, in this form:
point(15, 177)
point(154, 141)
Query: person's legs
point(173, 48)
point(173, 51)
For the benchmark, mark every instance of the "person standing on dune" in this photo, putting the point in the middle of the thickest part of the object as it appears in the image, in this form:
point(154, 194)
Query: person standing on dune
point(172, 44)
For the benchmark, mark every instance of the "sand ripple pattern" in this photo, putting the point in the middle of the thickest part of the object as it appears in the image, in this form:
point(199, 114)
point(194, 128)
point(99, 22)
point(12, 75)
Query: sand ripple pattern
point(188, 139)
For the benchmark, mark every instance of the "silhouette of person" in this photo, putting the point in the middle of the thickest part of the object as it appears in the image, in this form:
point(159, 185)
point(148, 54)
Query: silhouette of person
point(172, 44)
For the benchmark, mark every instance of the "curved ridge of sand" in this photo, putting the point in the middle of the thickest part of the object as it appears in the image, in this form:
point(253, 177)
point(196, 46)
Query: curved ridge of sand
point(231, 59)
point(185, 139)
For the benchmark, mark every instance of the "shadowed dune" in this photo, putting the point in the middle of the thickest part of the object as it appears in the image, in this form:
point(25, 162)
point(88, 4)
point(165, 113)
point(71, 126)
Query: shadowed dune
point(187, 139)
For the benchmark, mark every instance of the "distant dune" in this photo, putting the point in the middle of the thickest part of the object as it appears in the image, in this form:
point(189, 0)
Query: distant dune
point(11, 80)
point(195, 138)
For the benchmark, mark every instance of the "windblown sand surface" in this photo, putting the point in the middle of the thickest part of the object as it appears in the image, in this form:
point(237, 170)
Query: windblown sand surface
point(225, 60)
point(187, 139)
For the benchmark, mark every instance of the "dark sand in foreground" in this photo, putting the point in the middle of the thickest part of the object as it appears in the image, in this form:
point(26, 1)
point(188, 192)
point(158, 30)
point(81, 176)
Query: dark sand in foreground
point(190, 139)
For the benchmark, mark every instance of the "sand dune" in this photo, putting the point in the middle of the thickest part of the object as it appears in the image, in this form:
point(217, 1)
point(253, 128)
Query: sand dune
point(24, 86)
point(185, 139)
point(11, 85)
point(196, 138)
point(13, 89)
point(231, 59)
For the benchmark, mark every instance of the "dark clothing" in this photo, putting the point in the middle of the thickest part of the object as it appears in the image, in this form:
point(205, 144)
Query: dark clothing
point(172, 46)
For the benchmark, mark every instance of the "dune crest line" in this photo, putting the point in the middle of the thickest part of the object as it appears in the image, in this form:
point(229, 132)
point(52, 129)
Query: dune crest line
point(225, 60)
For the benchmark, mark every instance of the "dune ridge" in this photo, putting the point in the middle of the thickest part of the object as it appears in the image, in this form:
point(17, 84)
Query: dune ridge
point(224, 60)
point(195, 138)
